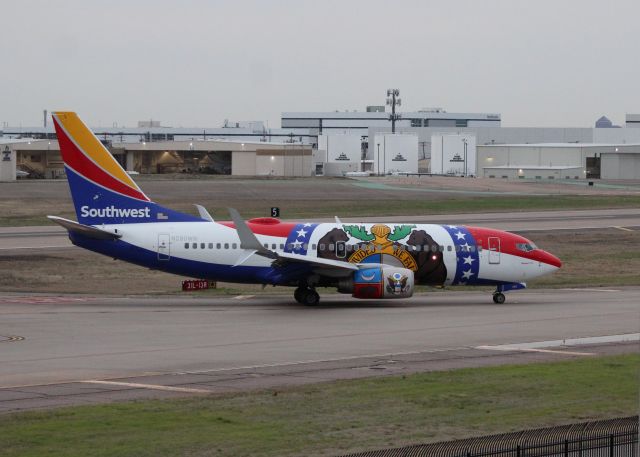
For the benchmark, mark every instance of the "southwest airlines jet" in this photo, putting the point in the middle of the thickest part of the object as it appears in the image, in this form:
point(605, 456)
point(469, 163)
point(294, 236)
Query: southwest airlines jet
point(375, 261)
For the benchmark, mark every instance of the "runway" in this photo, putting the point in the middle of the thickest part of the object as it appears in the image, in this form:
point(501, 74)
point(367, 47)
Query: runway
point(61, 350)
point(44, 237)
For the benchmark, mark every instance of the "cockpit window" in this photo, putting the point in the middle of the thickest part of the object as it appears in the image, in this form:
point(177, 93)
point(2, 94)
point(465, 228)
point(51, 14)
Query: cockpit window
point(526, 247)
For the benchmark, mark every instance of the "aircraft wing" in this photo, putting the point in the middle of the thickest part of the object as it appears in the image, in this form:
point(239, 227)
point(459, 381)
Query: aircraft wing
point(289, 257)
point(86, 230)
point(249, 242)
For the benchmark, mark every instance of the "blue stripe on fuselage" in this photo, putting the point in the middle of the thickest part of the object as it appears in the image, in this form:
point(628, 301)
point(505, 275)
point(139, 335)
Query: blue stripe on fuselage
point(192, 268)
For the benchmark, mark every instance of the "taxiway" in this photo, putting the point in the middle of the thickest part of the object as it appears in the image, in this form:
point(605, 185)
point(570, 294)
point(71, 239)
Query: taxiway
point(60, 350)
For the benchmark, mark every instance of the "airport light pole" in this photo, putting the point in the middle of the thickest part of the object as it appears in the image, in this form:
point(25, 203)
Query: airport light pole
point(378, 159)
point(393, 101)
point(464, 145)
point(384, 156)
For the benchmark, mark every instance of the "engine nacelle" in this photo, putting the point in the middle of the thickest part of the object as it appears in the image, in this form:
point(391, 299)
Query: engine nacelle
point(379, 282)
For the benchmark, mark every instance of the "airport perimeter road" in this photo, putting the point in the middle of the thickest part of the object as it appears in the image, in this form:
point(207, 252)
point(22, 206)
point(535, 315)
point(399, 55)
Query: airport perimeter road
point(55, 237)
point(73, 349)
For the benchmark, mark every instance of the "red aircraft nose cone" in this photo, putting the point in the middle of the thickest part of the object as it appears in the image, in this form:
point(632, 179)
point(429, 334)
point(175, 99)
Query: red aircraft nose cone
point(549, 259)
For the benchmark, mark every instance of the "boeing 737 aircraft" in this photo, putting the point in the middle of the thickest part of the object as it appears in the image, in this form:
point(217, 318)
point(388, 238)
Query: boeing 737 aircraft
point(375, 261)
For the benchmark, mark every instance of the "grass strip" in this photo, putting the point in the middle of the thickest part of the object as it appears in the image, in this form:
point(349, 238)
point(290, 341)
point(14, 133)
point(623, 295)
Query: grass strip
point(22, 214)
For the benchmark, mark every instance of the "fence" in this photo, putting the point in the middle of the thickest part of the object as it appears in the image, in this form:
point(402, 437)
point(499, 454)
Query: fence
point(607, 438)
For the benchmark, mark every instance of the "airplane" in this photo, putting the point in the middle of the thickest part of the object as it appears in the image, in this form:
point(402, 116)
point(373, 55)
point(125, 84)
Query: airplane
point(368, 261)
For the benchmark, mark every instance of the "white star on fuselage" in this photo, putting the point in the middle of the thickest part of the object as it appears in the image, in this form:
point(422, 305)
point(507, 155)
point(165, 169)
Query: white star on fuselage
point(297, 244)
point(467, 274)
point(301, 233)
point(460, 235)
point(469, 260)
point(307, 225)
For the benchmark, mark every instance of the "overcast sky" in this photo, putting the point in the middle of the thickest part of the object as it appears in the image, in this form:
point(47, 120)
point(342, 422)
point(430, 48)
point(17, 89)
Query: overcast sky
point(197, 63)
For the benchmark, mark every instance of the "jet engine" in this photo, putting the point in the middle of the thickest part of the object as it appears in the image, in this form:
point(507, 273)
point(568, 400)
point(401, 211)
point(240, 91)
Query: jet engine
point(379, 282)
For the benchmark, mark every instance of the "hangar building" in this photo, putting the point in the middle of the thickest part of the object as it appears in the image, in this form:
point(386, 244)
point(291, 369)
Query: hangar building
point(559, 161)
point(41, 158)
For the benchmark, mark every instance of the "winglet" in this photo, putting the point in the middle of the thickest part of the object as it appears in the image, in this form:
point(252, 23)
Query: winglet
point(248, 239)
point(204, 214)
point(338, 221)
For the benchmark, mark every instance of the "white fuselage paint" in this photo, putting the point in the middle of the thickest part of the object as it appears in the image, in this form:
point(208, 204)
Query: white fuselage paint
point(511, 268)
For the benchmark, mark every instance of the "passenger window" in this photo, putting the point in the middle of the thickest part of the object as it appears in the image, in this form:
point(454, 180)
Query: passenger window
point(305, 246)
point(218, 245)
point(186, 245)
point(226, 245)
point(282, 246)
point(194, 245)
point(266, 245)
point(434, 248)
point(313, 247)
point(210, 245)
point(449, 248)
point(331, 247)
point(457, 248)
point(274, 246)
point(322, 246)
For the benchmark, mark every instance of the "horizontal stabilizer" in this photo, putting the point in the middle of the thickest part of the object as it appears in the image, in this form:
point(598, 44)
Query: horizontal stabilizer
point(86, 230)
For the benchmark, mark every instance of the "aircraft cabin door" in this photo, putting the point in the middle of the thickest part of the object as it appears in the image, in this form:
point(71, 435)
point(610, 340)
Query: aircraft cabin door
point(494, 250)
point(164, 246)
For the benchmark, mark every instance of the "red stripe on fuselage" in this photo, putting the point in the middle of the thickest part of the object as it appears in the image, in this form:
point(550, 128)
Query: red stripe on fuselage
point(75, 158)
point(281, 229)
point(508, 243)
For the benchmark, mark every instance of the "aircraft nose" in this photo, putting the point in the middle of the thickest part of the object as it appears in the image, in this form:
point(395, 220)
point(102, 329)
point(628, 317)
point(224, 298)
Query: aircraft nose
point(548, 259)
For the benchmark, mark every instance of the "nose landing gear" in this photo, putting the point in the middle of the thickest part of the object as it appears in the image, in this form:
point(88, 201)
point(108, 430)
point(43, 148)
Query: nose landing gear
point(306, 296)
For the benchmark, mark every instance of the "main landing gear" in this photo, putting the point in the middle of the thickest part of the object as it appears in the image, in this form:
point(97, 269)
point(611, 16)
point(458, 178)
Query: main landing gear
point(306, 296)
point(498, 297)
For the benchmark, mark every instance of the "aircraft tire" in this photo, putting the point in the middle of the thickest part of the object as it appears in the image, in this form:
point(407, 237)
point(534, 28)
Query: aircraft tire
point(499, 298)
point(298, 293)
point(310, 297)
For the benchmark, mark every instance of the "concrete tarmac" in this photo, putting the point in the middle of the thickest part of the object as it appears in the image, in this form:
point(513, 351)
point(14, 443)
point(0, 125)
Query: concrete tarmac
point(43, 237)
point(62, 350)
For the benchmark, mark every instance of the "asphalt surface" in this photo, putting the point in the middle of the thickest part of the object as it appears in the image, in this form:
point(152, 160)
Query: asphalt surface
point(43, 237)
point(64, 350)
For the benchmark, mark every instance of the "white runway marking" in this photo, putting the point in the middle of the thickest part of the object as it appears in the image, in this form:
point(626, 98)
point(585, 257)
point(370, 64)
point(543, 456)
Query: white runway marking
point(538, 346)
point(625, 229)
point(150, 386)
point(579, 289)
point(516, 348)
point(243, 297)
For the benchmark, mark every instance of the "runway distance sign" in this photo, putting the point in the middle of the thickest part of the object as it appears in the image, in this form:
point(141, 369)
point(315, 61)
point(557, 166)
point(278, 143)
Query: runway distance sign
point(197, 284)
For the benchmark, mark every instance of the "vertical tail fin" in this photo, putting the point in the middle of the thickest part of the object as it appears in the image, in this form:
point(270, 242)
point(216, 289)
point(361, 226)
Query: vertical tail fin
point(102, 192)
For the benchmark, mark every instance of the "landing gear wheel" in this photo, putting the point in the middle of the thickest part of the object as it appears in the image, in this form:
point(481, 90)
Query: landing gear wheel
point(499, 298)
point(306, 296)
